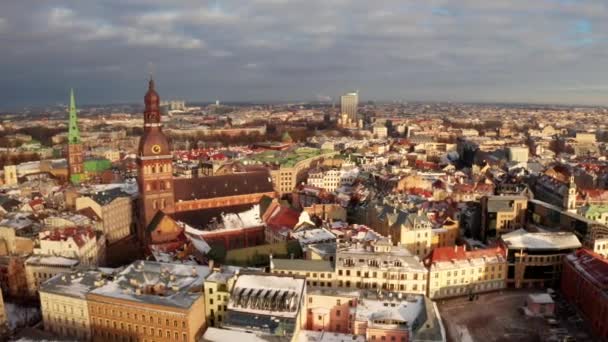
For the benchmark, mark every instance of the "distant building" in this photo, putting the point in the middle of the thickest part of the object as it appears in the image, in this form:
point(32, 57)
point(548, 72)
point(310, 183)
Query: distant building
point(585, 285)
point(380, 131)
point(518, 153)
point(348, 106)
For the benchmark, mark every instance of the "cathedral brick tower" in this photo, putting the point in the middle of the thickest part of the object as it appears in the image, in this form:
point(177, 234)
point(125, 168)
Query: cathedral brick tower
point(154, 162)
point(75, 159)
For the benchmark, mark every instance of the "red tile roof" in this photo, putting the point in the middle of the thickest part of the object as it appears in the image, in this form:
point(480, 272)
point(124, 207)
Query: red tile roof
point(460, 253)
point(284, 217)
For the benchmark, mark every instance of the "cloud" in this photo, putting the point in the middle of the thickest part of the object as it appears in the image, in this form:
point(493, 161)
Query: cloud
point(463, 50)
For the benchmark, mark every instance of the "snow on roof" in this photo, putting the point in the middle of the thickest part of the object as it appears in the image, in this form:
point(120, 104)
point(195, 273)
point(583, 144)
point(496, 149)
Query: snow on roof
point(76, 284)
point(310, 236)
point(17, 221)
point(540, 298)
point(405, 310)
point(175, 285)
point(220, 335)
point(326, 336)
point(51, 261)
point(246, 219)
point(521, 239)
point(269, 295)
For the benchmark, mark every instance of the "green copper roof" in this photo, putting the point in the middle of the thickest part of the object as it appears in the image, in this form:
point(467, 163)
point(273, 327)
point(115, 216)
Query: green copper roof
point(73, 132)
point(77, 178)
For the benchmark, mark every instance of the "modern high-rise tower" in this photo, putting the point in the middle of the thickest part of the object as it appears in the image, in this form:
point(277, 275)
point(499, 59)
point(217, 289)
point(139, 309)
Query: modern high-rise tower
point(75, 159)
point(155, 177)
point(348, 106)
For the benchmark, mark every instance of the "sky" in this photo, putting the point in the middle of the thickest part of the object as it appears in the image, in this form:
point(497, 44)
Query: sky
point(539, 51)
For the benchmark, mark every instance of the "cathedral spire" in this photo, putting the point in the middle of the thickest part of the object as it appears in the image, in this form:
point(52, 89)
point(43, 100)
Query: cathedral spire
point(75, 157)
point(73, 132)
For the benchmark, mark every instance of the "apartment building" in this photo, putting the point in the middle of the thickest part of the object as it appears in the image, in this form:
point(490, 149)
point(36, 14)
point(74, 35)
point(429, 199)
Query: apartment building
point(150, 301)
point(371, 314)
point(81, 244)
point(454, 271)
point(330, 180)
point(63, 303)
point(39, 269)
point(217, 292)
point(502, 214)
point(114, 208)
point(446, 235)
point(378, 265)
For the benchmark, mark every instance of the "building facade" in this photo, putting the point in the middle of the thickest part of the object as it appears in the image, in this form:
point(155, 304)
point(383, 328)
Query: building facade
point(585, 284)
point(502, 214)
point(39, 269)
point(63, 304)
point(78, 243)
point(114, 209)
point(453, 271)
point(378, 266)
point(535, 259)
point(150, 301)
point(348, 105)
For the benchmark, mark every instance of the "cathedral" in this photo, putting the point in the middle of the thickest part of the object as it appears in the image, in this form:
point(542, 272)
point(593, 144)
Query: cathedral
point(194, 201)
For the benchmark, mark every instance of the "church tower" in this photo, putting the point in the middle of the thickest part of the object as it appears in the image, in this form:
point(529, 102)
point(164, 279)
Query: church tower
point(154, 162)
point(570, 197)
point(75, 160)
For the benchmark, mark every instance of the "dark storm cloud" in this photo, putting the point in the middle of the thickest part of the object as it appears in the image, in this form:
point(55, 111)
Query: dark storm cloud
point(265, 50)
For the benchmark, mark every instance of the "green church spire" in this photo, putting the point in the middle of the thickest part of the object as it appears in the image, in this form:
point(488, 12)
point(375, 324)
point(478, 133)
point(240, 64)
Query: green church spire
point(73, 132)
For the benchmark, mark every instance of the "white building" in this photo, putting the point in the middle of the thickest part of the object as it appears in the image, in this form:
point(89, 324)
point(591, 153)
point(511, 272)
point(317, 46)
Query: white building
point(519, 154)
point(82, 244)
point(380, 132)
point(330, 180)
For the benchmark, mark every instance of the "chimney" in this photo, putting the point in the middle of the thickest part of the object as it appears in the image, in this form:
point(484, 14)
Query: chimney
point(211, 262)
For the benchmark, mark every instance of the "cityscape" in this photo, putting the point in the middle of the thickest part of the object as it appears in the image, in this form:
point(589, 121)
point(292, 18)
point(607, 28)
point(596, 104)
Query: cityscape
point(284, 201)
